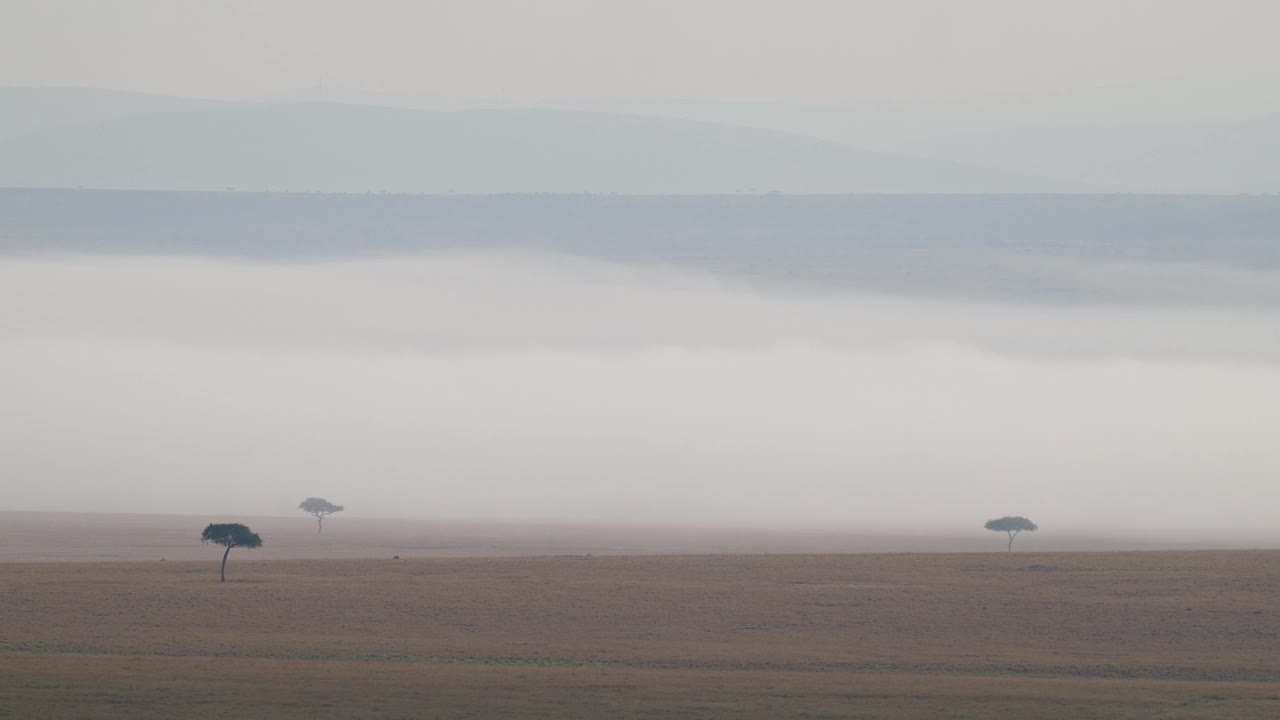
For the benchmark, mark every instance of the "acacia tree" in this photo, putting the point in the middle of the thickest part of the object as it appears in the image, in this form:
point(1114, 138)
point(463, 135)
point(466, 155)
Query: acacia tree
point(1011, 524)
point(230, 535)
point(320, 508)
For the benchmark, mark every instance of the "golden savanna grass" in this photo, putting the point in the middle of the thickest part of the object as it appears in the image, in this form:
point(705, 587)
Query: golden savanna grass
point(1162, 634)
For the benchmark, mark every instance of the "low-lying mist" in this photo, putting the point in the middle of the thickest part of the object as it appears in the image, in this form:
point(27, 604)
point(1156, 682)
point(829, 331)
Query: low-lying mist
point(548, 389)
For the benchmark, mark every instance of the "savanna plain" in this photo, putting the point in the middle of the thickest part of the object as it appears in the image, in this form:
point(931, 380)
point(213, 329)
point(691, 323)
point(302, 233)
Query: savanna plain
point(1170, 634)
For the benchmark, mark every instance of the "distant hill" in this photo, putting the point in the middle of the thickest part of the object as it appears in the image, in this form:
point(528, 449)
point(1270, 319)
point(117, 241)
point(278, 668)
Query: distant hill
point(1226, 158)
point(26, 110)
point(354, 148)
point(1210, 133)
point(354, 96)
point(1213, 133)
point(1191, 101)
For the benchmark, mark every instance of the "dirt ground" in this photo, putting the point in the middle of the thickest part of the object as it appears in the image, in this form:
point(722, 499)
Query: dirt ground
point(1027, 635)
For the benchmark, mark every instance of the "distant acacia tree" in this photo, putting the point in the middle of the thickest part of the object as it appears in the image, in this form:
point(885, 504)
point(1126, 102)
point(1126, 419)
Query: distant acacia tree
point(320, 508)
point(230, 535)
point(1011, 525)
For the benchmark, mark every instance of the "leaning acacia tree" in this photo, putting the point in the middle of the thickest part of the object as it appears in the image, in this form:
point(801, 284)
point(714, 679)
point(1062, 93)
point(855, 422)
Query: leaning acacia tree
point(230, 535)
point(320, 508)
point(1011, 525)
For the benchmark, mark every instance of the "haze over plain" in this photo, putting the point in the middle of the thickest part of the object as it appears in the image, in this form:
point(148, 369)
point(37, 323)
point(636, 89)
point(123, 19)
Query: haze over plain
point(601, 375)
point(665, 358)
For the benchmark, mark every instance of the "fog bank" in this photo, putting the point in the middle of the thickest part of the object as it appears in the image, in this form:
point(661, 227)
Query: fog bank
point(485, 387)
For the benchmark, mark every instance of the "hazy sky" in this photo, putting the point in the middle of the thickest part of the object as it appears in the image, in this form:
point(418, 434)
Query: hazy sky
point(821, 51)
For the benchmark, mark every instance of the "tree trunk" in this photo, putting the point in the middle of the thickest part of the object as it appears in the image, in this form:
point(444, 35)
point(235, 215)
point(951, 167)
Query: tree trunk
point(319, 524)
point(1012, 535)
point(224, 563)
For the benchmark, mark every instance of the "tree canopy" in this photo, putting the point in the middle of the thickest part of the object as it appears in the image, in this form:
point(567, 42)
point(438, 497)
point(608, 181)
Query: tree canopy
point(320, 508)
point(1013, 525)
point(230, 535)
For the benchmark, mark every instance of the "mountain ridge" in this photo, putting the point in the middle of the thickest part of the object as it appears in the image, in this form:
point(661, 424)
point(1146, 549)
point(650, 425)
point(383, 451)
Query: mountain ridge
point(357, 148)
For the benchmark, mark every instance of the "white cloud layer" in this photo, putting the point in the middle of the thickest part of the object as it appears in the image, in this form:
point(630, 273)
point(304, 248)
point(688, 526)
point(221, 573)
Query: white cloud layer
point(538, 389)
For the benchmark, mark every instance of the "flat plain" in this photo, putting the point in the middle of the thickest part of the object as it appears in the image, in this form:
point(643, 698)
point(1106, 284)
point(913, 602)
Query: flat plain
point(36, 536)
point(965, 635)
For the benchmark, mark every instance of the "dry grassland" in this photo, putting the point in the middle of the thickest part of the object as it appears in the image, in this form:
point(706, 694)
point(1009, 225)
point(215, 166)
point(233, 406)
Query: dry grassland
point(1135, 635)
